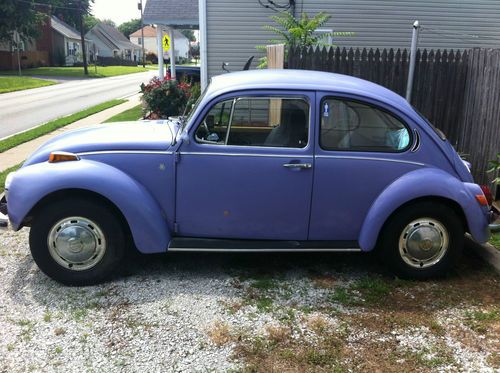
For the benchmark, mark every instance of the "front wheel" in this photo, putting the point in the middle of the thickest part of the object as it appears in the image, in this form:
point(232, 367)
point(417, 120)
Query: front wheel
point(422, 240)
point(77, 241)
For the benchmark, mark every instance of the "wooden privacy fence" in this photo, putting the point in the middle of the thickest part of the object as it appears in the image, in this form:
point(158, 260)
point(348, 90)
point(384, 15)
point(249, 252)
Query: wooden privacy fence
point(458, 91)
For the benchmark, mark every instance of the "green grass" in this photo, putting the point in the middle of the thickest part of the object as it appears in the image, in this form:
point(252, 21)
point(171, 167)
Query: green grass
point(4, 174)
point(495, 240)
point(102, 71)
point(19, 83)
point(23, 137)
point(129, 115)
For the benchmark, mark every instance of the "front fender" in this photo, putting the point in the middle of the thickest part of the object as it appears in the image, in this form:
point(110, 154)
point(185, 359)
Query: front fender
point(427, 182)
point(146, 220)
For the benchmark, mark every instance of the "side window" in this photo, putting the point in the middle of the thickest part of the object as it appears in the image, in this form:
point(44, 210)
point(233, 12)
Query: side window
point(213, 129)
point(257, 121)
point(351, 125)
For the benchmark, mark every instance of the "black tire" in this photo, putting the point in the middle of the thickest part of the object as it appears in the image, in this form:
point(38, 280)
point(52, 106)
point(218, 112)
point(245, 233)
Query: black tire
point(389, 243)
point(108, 223)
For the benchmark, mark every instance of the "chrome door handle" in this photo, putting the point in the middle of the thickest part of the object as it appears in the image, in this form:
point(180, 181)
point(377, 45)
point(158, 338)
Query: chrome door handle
point(298, 165)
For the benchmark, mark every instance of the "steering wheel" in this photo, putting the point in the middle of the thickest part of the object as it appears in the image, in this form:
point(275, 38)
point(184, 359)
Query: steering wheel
point(205, 128)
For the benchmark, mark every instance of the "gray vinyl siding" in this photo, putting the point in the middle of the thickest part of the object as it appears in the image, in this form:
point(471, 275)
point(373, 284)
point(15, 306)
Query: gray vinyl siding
point(234, 27)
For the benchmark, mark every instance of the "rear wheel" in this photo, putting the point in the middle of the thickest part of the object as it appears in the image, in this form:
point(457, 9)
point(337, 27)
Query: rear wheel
point(422, 240)
point(77, 242)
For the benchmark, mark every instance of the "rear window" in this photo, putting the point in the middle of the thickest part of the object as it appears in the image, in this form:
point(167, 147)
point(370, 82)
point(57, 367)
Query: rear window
point(355, 126)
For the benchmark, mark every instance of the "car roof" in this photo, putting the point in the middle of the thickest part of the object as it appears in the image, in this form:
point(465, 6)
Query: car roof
point(303, 80)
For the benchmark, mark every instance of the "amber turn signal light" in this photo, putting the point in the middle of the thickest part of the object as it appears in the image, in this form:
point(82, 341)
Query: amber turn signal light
point(56, 157)
point(482, 199)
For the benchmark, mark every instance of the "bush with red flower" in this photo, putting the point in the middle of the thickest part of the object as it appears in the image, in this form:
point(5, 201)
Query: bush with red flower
point(166, 98)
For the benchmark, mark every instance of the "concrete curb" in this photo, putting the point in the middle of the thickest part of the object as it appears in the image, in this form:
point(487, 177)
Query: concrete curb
point(487, 252)
point(18, 154)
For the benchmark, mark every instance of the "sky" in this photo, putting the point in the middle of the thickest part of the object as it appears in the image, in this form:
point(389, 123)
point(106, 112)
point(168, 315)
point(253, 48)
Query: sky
point(118, 11)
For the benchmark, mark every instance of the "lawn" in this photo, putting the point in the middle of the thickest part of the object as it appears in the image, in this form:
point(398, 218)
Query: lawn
point(31, 134)
point(129, 115)
point(19, 83)
point(102, 71)
point(495, 240)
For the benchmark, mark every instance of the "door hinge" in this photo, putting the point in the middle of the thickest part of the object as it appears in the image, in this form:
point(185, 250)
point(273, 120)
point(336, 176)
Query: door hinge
point(177, 157)
point(176, 227)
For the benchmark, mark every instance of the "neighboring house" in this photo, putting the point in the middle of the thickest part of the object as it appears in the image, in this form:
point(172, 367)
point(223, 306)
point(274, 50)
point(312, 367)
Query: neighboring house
point(66, 43)
point(230, 29)
point(234, 27)
point(109, 42)
point(181, 43)
point(58, 44)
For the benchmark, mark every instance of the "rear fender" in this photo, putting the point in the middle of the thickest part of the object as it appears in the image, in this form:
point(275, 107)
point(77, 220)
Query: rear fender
point(146, 220)
point(427, 182)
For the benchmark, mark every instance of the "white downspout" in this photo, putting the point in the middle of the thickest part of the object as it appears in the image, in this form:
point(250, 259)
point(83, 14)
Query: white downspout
point(159, 37)
point(202, 7)
point(172, 54)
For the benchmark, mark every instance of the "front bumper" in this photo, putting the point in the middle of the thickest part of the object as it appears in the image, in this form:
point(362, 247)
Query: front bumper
point(4, 219)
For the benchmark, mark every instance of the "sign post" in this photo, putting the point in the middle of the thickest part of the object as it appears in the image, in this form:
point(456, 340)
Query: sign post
point(172, 54)
point(159, 40)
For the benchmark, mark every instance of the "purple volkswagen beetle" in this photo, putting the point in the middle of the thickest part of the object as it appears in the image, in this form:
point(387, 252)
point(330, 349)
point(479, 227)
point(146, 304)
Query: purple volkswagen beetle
point(275, 160)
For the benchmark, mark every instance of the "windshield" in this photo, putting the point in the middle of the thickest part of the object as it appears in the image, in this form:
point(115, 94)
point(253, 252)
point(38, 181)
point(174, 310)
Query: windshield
point(194, 107)
point(440, 133)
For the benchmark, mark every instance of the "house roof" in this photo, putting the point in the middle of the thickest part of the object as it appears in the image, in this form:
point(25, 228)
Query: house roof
point(150, 32)
point(180, 14)
point(110, 36)
point(64, 29)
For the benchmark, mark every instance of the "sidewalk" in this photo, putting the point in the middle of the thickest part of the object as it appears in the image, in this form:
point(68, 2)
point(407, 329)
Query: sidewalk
point(18, 154)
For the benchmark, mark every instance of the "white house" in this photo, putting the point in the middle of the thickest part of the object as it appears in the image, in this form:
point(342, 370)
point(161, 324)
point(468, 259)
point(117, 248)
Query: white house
point(66, 43)
point(181, 43)
point(109, 42)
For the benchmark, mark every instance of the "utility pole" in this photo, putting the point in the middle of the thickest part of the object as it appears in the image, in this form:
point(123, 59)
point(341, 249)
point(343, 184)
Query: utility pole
point(82, 36)
point(413, 59)
point(17, 42)
point(142, 36)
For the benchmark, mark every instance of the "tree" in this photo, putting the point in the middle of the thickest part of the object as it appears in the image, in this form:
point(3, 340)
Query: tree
point(89, 21)
point(70, 10)
point(194, 51)
point(109, 22)
point(130, 27)
point(188, 34)
point(22, 17)
point(495, 169)
point(294, 32)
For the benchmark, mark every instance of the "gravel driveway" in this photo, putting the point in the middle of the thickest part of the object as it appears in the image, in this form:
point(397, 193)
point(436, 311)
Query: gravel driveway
point(214, 312)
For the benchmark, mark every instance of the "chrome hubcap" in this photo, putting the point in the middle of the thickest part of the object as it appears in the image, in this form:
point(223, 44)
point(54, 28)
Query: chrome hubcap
point(76, 243)
point(423, 243)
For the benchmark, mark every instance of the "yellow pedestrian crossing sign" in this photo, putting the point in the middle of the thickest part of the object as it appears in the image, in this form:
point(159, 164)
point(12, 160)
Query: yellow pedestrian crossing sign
point(166, 43)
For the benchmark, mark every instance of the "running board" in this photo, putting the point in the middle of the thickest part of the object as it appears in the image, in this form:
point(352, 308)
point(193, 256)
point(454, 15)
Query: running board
point(249, 246)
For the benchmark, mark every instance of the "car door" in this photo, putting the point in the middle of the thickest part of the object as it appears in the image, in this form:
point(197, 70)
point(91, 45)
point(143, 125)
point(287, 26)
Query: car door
point(363, 147)
point(246, 171)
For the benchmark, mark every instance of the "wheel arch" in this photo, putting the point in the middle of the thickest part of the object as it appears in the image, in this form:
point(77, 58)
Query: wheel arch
point(76, 193)
point(40, 183)
point(429, 184)
point(453, 205)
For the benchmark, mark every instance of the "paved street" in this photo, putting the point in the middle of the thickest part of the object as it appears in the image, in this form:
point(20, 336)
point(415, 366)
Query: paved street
point(22, 110)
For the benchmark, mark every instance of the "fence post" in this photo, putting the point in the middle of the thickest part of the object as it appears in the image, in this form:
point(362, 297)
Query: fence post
point(413, 55)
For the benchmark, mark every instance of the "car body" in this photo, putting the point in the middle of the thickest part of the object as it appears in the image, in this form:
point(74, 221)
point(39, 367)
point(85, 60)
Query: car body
point(267, 161)
point(190, 73)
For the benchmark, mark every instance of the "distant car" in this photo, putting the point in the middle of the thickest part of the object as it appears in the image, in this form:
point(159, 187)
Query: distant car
point(191, 73)
point(274, 160)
